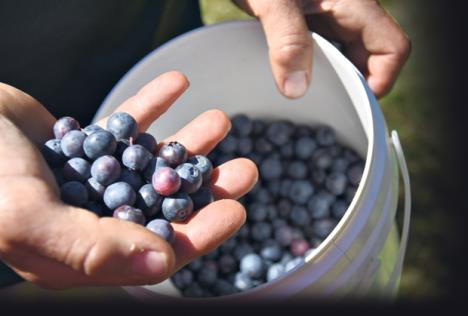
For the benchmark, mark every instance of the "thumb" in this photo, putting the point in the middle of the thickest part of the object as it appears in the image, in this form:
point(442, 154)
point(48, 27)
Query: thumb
point(67, 246)
point(289, 43)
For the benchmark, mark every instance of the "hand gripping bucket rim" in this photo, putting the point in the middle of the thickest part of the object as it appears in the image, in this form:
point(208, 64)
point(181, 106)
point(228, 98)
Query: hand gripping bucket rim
point(347, 260)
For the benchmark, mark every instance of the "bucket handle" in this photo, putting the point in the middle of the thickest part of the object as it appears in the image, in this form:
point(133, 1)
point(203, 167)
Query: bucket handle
point(406, 215)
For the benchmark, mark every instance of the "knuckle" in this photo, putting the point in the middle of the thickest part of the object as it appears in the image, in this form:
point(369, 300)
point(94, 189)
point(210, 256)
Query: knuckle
point(291, 47)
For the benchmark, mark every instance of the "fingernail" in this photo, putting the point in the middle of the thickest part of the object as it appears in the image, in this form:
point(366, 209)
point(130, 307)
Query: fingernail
point(295, 84)
point(150, 263)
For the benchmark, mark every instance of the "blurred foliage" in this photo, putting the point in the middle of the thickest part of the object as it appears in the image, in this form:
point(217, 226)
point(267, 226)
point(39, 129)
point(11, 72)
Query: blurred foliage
point(415, 114)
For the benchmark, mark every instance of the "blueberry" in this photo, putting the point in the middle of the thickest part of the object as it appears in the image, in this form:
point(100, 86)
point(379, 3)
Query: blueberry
point(52, 152)
point(244, 146)
point(303, 131)
point(88, 130)
point(77, 169)
point(96, 207)
point(284, 235)
point(64, 125)
point(105, 170)
point(323, 227)
point(257, 212)
point(223, 287)
point(122, 144)
point(208, 274)
point(351, 156)
point(131, 177)
point(99, 143)
point(272, 212)
point(287, 151)
point(72, 144)
point(285, 187)
point(258, 127)
point(163, 229)
point(95, 189)
point(263, 196)
point(325, 136)
point(355, 173)
point(241, 125)
point(322, 158)
point(195, 264)
point(166, 181)
point(129, 213)
point(298, 233)
point(336, 183)
point(275, 271)
point(319, 207)
point(182, 278)
point(154, 164)
point(227, 263)
point(228, 246)
point(336, 151)
point(279, 132)
point(148, 141)
point(274, 187)
point(122, 125)
point(299, 216)
point(252, 265)
point(229, 144)
point(301, 191)
point(278, 222)
point(201, 198)
point(304, 147)
point(340, 164)
point(339, 208)
point(272, 251)
point(350, 193)
point(271, 168)
point(193, 290)
point(243, 282)
point(148, 200)
point(74, 193)
point(261, 231)
point(118, 194)
point(241, 250)
point(204, 165)
point(319, 176)
point(177, 207)
point(262, 146)
point(294, 263)
point(174, 153)
point(299, 247)
point(286, 258)
point(136, 157)
point(297, 170)
point(244, 231)
point(190, 176)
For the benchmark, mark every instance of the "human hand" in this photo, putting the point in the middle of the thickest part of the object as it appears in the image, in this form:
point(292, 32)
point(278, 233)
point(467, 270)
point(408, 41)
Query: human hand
point(372, 39)
point(56, 245)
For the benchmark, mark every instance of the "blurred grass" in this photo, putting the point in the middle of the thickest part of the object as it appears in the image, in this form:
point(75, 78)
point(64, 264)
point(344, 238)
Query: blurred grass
point(414, 112)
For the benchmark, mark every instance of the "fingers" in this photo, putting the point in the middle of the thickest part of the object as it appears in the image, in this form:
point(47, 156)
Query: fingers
point(289, 43)
point(233, 179)
point(153, 99)
point(207, 229)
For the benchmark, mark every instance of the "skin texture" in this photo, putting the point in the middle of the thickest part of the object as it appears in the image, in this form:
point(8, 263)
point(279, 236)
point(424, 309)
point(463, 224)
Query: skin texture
point(372, 39)
point(61, 246)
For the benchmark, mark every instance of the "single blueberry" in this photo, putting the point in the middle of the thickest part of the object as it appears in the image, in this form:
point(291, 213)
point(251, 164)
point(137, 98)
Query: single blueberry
point(252, 265)
point(74, 193)
point(279, 132)
point(99, 143)
point(319, 207)
point(227, 263)
point(355, 173)
point(136, 157)
point(64, 125)
point(297, 170)
point(241, 125)
point(118, 194)
point(52, 152)
point(304, 147)
point(301, 191)
point(129, 213)
point(271, 168)
point(299, 216)
point(336, 183)
point(95, 189)
point(322, 159)
point(77, 169)
point(177, 207)
point(339, 208)
point(166, 181)
point(257, 212)
point(122, 125)
point(325, 136)
point(72, 144)
point(190, 176)
point(148, 200)
point(284, 235)
point(229, 144)
point(148, 141)
point(105, 170)
point(204, 165)
point(275, 271)
point(272, 251)
point(243, 282)
point(88, 130)
point(174, 153)
point(182, 278)
point(260, 231)
point(323, 227)
point(163, 229)
point(201, 198)
point(154, 164)
point(299, 247)
point(340, 164)
point(263, 196)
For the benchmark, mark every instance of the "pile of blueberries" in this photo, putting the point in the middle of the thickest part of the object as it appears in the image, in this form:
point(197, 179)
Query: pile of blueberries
point(307, 181)
point(119, 172)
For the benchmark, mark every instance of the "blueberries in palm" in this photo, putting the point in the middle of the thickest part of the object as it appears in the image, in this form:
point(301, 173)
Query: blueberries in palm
point(99, 143)
point(95, 189)
point(72, 144)
point(105, 170)
point(148, 200)
point(122, 125)
point(154, 164)
point(74, 193)
point(174, 153)
point(53, 154)
point(204, 165)
point(201, 198)
point(163, 229)
point(77, 169)
point(166, 181)
point(118, 194)
point(129, 213)
point(177, 207)
point(148, 141)
point(190, 176)
point(136, 157)
point(64, 125)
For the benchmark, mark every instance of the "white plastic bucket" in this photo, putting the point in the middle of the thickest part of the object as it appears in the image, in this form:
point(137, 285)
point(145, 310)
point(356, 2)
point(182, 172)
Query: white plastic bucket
point(228, 69)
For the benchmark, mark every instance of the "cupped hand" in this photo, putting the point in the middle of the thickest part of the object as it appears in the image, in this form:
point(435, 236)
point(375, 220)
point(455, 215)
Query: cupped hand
point(59, 246)
point(372, 39)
